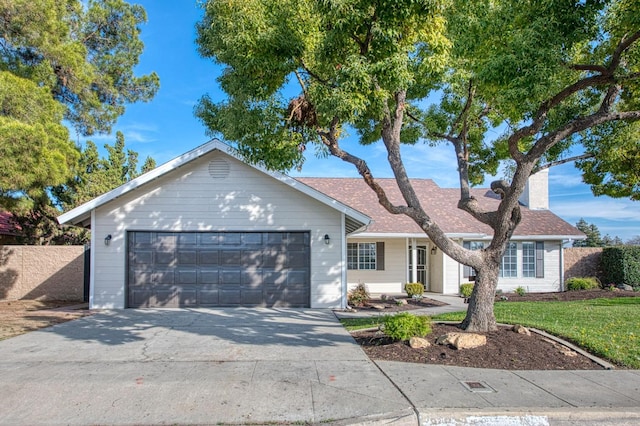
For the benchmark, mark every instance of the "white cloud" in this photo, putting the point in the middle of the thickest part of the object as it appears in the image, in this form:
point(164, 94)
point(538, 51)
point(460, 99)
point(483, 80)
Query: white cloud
point(601, 208)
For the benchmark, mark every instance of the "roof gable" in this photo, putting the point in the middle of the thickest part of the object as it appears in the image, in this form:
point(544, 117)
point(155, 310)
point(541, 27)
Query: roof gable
point(441, 204)
point(82, 213)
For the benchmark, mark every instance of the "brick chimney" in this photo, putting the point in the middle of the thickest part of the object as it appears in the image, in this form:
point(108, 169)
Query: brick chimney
point(536, 192)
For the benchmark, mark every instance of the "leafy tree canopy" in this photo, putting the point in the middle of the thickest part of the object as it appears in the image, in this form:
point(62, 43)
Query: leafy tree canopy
point(63, 62)
point(525, 82)
point(94, 176)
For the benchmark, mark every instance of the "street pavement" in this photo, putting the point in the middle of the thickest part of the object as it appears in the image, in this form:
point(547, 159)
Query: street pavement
point(256, 366)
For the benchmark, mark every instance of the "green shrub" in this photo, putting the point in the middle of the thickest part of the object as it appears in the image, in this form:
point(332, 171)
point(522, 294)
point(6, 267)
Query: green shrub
point(404, 326)
point(414, 289)
point(581, 283)
point(358, 296)
point(520, 291)
point(466, 289)
point(621, 265)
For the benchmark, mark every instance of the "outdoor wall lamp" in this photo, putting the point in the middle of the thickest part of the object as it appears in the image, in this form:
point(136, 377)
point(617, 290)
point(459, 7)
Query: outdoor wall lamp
point(434, 250)
point(327, 240)
point(107, 240)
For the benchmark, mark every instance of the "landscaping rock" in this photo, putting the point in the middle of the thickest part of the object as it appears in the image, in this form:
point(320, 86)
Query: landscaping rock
point(419, 343)
point(462, 340)
point(401, 301)
point(378, 307)
point(521, 330)
point(625, 287)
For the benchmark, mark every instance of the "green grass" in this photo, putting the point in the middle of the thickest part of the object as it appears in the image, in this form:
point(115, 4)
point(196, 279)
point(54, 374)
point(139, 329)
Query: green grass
point(608, 328)
point(353, 324)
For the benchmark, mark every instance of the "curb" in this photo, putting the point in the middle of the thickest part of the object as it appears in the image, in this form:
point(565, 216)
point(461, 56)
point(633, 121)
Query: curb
point(569, 416)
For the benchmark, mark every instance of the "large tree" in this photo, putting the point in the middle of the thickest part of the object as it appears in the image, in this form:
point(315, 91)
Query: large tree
point(36, 216)
point(62, 62)
point(556, 80)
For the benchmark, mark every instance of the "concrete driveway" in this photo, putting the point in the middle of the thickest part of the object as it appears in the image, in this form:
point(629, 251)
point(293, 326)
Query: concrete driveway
point(194, 366)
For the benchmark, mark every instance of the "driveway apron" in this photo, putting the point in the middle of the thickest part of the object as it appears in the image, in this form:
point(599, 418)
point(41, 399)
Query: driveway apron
point(194, 366)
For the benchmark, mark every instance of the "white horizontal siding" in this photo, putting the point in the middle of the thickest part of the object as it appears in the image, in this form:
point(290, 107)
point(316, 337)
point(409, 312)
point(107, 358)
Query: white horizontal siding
point(550, 282)
point(189, 199)
point(394, 275)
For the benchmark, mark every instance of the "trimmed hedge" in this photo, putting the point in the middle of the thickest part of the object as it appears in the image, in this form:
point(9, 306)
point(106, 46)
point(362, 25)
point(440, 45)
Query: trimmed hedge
point(414, 289)
point(580, 283)
point(621, 265)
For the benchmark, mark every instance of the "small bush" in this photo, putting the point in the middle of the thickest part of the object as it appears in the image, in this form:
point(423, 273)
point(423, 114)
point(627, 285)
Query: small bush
point(520, 291)
point(582, 283)
point(413, 289)
point(358, 296)
point(466, 290)
point(405, 326)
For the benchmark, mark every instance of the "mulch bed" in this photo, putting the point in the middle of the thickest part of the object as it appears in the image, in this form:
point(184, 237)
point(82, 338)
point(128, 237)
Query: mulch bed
point(505, 349)
point(567, 296)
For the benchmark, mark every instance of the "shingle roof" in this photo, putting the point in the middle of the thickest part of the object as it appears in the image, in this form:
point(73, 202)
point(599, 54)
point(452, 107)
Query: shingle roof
point(439, 203)
point(7, 227)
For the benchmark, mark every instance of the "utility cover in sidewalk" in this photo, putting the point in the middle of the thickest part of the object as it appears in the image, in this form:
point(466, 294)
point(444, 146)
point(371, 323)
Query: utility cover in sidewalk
point(477, 387)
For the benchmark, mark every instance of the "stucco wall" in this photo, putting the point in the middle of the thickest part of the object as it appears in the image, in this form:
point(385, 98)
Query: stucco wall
point(42, 272)
point(582, 262)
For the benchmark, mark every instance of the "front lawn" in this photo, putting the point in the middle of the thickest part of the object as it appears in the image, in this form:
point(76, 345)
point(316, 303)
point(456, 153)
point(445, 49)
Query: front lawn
point(608, 328)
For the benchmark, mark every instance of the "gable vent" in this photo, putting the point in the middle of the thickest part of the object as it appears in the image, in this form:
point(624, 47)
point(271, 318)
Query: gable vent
point(219, 168)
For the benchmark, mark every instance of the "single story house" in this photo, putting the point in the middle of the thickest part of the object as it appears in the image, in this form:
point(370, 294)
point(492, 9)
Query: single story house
point(207, 229)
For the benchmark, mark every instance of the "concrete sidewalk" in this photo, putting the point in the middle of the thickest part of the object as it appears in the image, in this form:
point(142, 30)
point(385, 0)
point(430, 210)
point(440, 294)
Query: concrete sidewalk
point(470, 396)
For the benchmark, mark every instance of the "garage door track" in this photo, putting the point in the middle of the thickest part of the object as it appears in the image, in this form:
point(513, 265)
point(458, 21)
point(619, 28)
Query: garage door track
point(193, 366)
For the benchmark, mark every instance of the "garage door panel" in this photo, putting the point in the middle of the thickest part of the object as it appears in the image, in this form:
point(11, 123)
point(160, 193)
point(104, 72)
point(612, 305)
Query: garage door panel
point(163, 277)
point(187, 277)
point(230, 296)
point(208, 276)
point(187, 257)
point(165, 257)
point(230, 257)
point(208, 257)
point(229, 277)
point(142, 257)
point(218, 269)
point(208, 297)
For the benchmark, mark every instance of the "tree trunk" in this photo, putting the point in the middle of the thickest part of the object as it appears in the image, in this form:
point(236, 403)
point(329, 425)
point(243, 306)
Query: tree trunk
point(480, 317)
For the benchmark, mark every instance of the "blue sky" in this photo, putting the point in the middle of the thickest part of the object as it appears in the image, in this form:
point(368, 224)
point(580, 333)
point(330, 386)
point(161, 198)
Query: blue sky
point(166, 127)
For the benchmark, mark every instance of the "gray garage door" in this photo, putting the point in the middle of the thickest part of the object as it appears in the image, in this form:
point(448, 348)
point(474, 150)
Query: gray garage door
point(176, 269)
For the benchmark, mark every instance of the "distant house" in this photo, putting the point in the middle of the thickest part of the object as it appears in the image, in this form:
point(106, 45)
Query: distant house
point(207, 229)
point(8, 230)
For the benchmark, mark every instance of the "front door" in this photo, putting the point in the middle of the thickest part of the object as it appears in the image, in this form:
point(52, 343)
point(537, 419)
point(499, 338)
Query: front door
point(421, 266)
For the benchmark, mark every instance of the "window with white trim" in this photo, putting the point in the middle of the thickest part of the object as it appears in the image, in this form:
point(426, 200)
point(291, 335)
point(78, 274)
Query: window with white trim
point(529, 260)
point(361, 256)
point(509, 264)
point(468, 271)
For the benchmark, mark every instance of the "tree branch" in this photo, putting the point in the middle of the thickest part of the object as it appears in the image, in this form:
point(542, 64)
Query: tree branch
point(563, 161)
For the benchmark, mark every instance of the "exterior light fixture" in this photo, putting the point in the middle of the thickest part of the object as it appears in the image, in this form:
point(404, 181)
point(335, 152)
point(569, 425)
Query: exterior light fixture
point(434, 250)
point(327, 240)
point(107, 240)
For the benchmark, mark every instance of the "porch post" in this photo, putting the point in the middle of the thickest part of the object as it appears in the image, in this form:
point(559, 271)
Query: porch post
point(414, 260)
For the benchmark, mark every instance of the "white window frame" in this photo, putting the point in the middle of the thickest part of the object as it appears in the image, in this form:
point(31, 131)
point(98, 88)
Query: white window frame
point(509, 263)
point(362, 256)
